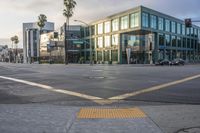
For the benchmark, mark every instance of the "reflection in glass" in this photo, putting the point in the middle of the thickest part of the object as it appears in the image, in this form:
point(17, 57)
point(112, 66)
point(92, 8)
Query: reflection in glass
point(134, 20)
point(115, 39)
point(145, 19)
point(107, 41)
point(167, 25)
point(100, 28)
point(160, 23)
point(100, 42)
point(115, 25)
point(107, 27)
point(153, 22)
point(124, 22)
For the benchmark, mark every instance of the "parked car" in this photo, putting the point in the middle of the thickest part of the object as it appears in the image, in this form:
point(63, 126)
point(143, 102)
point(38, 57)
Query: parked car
point(178, 61)
point(163, 62)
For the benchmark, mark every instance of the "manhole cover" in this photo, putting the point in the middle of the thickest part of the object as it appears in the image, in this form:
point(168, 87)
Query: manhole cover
point(97, 70)
point(96, 77)
point(189, 130)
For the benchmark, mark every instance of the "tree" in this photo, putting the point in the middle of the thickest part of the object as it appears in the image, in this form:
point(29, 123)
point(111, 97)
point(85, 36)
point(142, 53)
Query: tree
point(16, 41)
point(41, 23)
point(12, 39)
point(68, 13)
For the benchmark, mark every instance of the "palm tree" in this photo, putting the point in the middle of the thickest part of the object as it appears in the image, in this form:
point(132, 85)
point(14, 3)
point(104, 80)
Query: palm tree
point(12, 39)
point(41, 23)
point(16, 41)
point(68, 13)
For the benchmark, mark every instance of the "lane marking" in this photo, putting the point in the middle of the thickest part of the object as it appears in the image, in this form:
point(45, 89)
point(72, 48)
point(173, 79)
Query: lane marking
point(99, 100)
point(154, 88)
point(49, 88)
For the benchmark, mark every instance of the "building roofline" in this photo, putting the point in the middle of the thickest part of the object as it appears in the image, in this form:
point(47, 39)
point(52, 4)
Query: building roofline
point(141, 7)
point(36, 22)
point(116, 14)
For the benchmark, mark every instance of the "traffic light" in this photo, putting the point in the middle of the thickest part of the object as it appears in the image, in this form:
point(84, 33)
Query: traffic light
point(55, 34)
point(188, 22)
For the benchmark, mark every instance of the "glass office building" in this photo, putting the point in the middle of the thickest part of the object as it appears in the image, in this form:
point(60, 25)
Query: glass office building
point(142, 35)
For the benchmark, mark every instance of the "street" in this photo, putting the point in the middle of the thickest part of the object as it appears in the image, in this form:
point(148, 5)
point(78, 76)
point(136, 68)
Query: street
point(48, 94)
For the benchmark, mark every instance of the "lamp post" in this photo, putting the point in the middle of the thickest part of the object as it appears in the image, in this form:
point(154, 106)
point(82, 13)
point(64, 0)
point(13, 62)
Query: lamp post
point(90, 35)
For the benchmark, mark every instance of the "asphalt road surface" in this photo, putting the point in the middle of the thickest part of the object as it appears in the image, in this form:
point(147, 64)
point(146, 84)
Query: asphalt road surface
point(99, 81)
point(98, 85)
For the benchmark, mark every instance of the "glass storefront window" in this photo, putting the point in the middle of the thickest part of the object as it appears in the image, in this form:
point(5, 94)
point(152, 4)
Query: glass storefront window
point(187, 31)
point(178, 28)
point(134, 20)
point(134, 41)
point(145, 19)
point(173, 27)
point(173, 41)
point(95, 42)
point(195, 44)
point(188, 43)
point(115, 39)
point(107, 27)
point(183, 29)
point(179, 42)
point(167, 25)
point(106, 55)
point(167, 39)
point(107, 41)
point(153, 22)
point(100, 42)
point(95, 29)
point(192, 43)
point(199, 35)
point(124, 22)
point(99, 55)
point(114, 55)
point(115, 25)
point(192, 31)
point(161, 39)
point(184, 42)
point(100, 28)
point(160, 23)
point(195, 32)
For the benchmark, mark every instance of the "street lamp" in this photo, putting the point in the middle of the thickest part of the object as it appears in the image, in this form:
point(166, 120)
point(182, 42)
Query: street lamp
point(90, 35)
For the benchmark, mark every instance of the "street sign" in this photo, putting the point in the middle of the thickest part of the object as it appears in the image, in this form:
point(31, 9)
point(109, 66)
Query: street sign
point(78, 42)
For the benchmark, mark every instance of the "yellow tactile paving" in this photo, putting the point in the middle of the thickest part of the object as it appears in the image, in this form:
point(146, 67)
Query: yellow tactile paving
point(107, 113)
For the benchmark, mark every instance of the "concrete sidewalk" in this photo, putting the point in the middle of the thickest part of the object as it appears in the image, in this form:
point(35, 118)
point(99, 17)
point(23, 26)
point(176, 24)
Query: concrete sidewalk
point(44, 118)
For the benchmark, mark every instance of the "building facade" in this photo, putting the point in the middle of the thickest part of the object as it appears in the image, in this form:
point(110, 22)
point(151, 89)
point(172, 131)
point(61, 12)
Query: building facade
point(51, 48)
point(31, 45)
point(142, 35)
point(52, 45)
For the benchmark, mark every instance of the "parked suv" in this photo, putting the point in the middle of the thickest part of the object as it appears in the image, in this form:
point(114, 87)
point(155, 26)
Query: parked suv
point(163, 62)
point(178, 61)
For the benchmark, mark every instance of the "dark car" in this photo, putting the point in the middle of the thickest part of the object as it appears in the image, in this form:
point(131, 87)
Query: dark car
point(178, 62)
point(164, 62)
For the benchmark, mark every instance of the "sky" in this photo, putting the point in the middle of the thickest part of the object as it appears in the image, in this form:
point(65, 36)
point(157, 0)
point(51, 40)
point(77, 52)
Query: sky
point(15, 12)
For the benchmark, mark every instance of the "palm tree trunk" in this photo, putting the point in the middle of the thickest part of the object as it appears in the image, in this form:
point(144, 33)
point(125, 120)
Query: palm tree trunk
point(38, 56)
point(66, 41)
point(16, 54)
